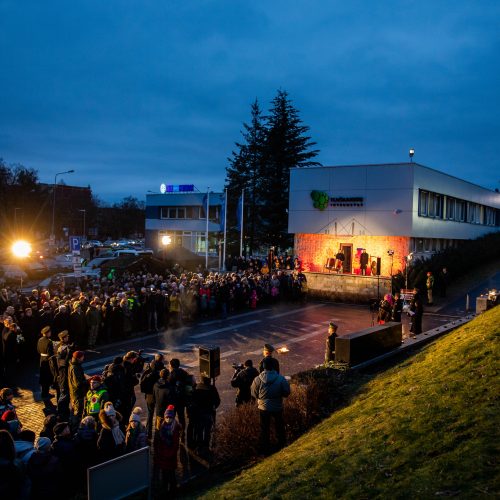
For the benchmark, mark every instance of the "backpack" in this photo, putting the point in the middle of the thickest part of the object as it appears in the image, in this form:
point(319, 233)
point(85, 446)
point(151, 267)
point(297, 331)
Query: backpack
point(147, 381)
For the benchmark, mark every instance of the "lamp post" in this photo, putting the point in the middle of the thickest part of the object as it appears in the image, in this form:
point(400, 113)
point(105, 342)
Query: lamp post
point(84, 213)
point(410, 154)
point(52, 235)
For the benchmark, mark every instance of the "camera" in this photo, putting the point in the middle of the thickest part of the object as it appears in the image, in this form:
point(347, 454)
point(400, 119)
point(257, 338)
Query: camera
point(238, 366)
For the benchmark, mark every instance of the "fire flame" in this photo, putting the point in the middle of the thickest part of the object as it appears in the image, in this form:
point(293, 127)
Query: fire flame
point(283, 349)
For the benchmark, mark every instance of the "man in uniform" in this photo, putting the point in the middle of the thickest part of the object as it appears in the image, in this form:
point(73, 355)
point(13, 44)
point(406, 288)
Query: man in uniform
point(242, 380)
point(330, 342)
point(45, 348)
point(268, 353)
point(78, 386)
point(96, 397)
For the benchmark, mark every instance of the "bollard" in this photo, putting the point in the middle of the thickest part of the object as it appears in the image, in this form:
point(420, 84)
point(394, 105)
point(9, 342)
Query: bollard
point(467, 308)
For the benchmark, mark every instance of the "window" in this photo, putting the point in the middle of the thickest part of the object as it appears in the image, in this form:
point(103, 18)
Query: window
point(423, 203)
point(435, 205)
point(460, 211)
point(172, 213)
point(489, 216)
point(450, 208)
point(181, 213)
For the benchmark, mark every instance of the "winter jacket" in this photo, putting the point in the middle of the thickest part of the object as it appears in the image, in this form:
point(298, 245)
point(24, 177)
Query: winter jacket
point(136, 437)
point(43, 468)
point(77, 382)
point(106, 445)
point(163, 396)
point(166, 446)
point(269, 389)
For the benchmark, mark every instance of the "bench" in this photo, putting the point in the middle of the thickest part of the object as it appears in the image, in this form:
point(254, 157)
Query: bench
point(357, 347)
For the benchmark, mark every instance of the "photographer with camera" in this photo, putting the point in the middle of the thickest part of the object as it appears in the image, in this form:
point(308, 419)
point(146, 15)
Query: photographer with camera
point(243, 377)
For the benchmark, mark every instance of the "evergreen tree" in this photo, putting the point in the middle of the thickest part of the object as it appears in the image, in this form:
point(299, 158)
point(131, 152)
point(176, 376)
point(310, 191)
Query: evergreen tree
point(244, 173)
point(287, 145)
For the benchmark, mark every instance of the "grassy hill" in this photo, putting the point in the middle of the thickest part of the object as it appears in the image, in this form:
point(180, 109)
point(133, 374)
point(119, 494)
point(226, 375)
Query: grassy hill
point(426, 428)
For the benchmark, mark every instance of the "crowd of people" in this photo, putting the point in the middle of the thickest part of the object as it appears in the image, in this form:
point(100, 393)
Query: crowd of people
point(97, 419)
point(102, 310)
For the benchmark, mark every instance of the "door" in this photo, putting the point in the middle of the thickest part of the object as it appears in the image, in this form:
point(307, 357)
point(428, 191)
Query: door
point(347, 251)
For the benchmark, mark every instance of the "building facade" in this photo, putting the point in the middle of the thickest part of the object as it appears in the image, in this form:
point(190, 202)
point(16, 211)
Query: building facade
point(181, 215)
point(387, 213)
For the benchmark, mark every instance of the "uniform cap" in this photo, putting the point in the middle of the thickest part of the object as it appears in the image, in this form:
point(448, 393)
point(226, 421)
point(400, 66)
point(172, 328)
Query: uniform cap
point(63, 334)
point(268, 348)
point(45, 329)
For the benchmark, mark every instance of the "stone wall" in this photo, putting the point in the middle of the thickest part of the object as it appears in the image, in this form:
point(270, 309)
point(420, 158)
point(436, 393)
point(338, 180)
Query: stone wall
point(346, 287)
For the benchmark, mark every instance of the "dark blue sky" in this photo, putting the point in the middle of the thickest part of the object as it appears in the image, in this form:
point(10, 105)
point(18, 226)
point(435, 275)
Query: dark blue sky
point(134, 93)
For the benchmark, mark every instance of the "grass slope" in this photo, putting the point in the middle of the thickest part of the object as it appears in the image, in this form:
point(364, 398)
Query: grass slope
point(427, 427)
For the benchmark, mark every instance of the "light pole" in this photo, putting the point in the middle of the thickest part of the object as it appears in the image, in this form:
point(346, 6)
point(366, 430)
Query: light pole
point(52, 235)
point(84, 212)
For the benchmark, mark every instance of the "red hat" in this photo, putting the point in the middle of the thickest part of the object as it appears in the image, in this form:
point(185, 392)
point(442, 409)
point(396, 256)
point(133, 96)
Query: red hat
point(170, 411)
point(98, 378)
point(78, 354)
point(9, 415)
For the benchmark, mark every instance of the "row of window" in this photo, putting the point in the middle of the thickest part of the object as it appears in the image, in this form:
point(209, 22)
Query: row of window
point(192, 212)
point(440, 206)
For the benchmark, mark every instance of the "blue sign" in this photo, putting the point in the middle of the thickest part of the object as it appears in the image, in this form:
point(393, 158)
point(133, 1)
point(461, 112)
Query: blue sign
point(75, 243)
point(179, 188)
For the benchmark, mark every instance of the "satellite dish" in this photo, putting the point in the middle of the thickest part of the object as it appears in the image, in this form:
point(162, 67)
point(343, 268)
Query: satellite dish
point(163, 188)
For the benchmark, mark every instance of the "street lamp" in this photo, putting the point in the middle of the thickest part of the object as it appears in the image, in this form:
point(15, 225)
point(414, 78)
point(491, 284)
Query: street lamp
point(21, 249)
point(84, 212)
point(410, 154)
point(165, 241)
point(52, 235)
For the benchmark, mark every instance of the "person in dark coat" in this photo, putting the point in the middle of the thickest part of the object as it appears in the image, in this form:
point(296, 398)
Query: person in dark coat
point(205, 401)
point(78, 326)
point(49, 423)
point(64, 449)
point(397, 308)
point(330, 342)
point(13, 481)
point(44, 469)
point(163, 396)
point(147, 382)
point(111, 441)
point(30, 329)
point(61, 320)
point(180, 380)
point(64, 353)
point(242, 380)
point(416, 313)
point(78, 386)
point(45, 348)
point(86, 446)
point(45, 316)
point(268, 353)
point(10, 350)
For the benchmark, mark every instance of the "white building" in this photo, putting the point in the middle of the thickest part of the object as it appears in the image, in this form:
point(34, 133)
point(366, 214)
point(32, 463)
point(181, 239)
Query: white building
point(180, 213)
point(404, 207)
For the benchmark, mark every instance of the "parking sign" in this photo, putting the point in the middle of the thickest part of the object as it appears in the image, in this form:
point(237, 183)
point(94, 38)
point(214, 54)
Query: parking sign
point(75, 243)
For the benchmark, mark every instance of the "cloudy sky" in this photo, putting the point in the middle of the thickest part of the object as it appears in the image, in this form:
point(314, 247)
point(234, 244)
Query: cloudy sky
point(134, 93)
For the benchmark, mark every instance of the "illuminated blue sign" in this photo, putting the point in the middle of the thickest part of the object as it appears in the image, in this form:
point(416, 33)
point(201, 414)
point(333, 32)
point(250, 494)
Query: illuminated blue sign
point(177, 188)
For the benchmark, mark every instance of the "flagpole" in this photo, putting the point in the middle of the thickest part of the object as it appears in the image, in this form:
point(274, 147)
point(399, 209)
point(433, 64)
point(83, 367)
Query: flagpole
point(207, 208)
point(225, 220)
point(242, 219)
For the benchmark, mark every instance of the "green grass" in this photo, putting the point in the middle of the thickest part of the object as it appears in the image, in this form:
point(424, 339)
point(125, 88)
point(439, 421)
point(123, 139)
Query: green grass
point(425, 428)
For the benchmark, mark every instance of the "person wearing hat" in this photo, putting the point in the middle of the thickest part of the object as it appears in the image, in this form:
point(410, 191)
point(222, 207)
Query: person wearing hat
point(43, 467)
point(111, 441)
point(45, 348)
point(136, 436)
point(166, 447)
point(64, 352)
point(330, 342)
point(267, 352)
point(96, 397)
point(64, 448)
point(78, 386)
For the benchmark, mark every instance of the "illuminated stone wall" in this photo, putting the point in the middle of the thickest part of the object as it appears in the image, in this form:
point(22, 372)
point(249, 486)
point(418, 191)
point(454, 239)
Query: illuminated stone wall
point(314, 250)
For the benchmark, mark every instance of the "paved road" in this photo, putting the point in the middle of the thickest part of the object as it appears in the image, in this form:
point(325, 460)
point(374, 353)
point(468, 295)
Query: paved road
point(302, 329)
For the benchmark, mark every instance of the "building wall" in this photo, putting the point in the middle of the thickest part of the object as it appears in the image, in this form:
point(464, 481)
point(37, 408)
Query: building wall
point(346, 287)
point(314, 249)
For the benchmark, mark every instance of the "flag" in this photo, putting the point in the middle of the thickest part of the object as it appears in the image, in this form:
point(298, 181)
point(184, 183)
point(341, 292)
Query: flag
point(204, 206)
point(223, 214)
point(239, 212)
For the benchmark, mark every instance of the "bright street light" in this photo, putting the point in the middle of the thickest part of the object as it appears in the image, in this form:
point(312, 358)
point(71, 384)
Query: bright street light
point(21, 249)
point(166, 240)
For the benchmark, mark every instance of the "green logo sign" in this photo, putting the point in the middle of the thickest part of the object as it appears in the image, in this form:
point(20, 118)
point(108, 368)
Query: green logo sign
point(320, 199)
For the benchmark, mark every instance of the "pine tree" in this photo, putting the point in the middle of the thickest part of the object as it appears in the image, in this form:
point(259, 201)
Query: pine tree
point(287, 146)
point(244, 172)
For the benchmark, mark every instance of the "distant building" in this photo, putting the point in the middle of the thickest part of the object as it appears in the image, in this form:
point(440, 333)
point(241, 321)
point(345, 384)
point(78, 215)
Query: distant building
point(180, 213)
point(387, 211)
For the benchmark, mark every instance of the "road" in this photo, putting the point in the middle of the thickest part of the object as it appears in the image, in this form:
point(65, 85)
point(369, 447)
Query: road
point(302, 329)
